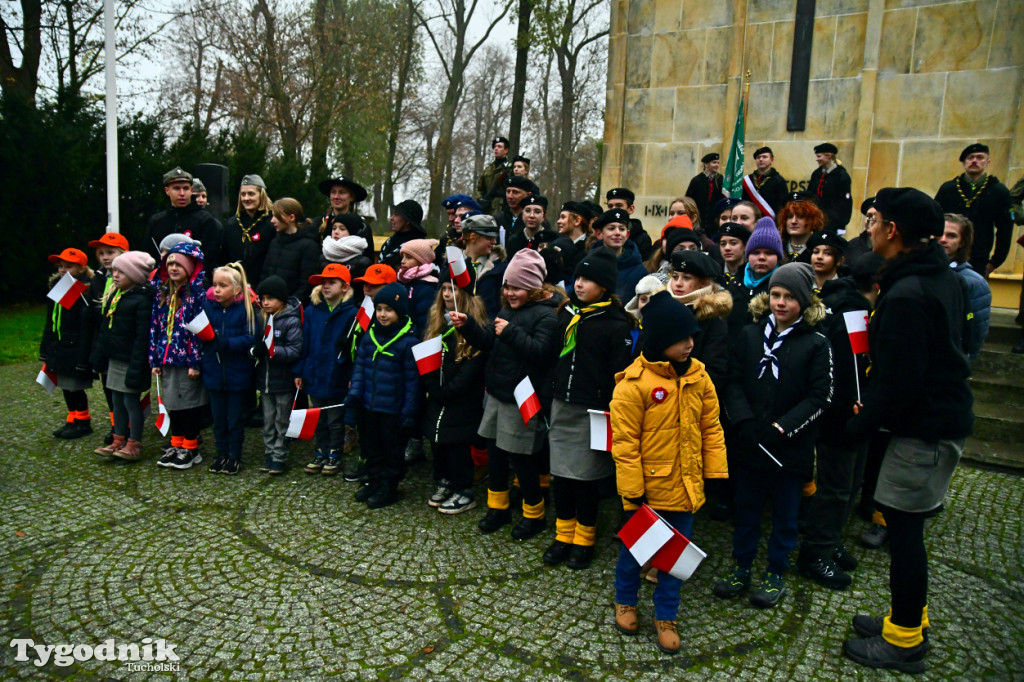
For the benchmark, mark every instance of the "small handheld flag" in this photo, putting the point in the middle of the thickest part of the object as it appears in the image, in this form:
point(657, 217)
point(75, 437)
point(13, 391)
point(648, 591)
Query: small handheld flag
point(47, 379)
point(600, 430)
point(66, 291)
point(457, 267)
point(163, 420)
point(428, 355)
point(365, 313)
point(201, 327)
point(302, 423)
point(857, 328)
point(268, 336)
point(644, 534)
point(679, 557)
point(527, 400)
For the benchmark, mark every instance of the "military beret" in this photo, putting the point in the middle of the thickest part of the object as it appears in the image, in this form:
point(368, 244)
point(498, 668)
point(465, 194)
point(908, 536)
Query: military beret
point(826, 148)
point(255, 181)
point(917, 214)
point(523, 159)
point(825, 238)
point(535, 200)
point(866, 204)
point(176, 174)
point(973, 149)
point(677, 235)
point(725, 203)
point(578, 208)
point(357, 190)
point(733, 230)
point(503, 140)
point(594, 207)
point(456, 200)
point(522, 183)
point(708, 158)
point(621, 193)
point(802, 195)
point(615, 215)
point(763, 150)
point(696, 263)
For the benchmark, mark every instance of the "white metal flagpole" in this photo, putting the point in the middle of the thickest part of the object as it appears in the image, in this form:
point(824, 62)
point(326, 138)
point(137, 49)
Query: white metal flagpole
point(110, 70)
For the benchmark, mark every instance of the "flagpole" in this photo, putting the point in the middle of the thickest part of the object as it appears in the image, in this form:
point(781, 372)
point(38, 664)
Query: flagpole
point(856, 376)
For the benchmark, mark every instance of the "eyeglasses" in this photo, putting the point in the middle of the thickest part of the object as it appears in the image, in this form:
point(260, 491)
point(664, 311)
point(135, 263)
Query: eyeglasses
point(868, 222)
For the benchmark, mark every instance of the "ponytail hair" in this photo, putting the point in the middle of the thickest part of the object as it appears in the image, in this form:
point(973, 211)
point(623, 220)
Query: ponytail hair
point(237, 274)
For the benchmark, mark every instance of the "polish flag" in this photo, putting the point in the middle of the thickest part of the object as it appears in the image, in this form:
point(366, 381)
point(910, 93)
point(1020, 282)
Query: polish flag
point(163, 420)
point(428, 355)
point(268, 336)
point(857, 328)
point(527, 400)
point(302, 423)
point(600, 430)
point(201, 327)
point(365, 313)
point(644, 534)
point(679, 556)
point(47, 379)
point(457, 266)
point(66, 291)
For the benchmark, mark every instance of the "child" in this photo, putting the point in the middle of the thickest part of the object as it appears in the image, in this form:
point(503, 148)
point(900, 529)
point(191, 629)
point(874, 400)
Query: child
point(780, 384)
point(666, 439)
point(294, 252)
point(645, 288)
point(344, 245)
point(108, 247)
point(454, 398)
point(797, 221)
point(825, 252)
point(596, 343)
point(227, 367)
point(175, 353)
point(613, 229)
point(66, 344)
point(275, 378)
point(384, 396)
point(122, 346)
point(325, 368)
point(694, 282)
point(522, 343)
point(417, 274)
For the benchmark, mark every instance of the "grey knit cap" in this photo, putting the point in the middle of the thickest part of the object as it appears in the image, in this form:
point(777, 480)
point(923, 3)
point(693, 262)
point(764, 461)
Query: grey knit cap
point(798, 279)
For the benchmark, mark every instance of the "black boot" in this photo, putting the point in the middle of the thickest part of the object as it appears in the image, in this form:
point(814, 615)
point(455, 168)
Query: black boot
point(557, 553)
point(77, 429)
point(366, 491)
point(494, 519)
point(876, 652)
point(386, 495)
point(528, 528)
point(824, 571)
point(580, 557)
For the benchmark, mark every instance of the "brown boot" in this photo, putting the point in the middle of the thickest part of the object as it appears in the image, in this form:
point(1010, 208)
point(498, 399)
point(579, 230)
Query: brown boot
point(668, 638)
point(132, 451)
point(108, 450)
point(625, 619)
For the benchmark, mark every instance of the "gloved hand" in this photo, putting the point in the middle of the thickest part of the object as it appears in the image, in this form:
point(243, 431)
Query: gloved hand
point(353, 403)
point(638, 501)
point(746, 434)
point(770, 438)
point(259, 351)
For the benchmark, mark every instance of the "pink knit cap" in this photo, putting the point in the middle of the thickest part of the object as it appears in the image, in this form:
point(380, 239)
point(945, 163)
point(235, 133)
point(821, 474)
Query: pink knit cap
point(420, 249)
point(526, 270)
point(136, 265)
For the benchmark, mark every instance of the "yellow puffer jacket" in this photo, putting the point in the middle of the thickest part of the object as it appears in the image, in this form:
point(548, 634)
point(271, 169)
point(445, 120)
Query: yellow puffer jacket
point(666, 437)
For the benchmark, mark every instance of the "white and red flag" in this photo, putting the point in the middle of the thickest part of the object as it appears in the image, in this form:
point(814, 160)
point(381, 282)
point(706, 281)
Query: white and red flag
point(600, 430)
point(644, 534)
point(750, 189)
point(163, 420)
point(201, 327)
point(302, 423)
point(66, 291)
point(268, 336)
point(365, 313)
point(527, 400)
point(47, 378)
point(457, 266)
point(428, 355)
point(857, 328)
point(678, 557)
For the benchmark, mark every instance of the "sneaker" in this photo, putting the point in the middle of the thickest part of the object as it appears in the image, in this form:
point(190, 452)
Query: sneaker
point(494, 519)
point(442, 493)
point(231, 466)
point(414, 451)
point(769, 592)
point(356, 470)
point(184, 459)
point(317, 465)
point(825, 572)
point(332, 465)
point(528, 528)
point(170, 455)
point(276, 468)
point(874, 537)
point(871, 626)
point(875, 652)
point(668, 637)
point(844, 559)
point(218, 464)
point(734, 583)
point(265, 468)
point(458, 503)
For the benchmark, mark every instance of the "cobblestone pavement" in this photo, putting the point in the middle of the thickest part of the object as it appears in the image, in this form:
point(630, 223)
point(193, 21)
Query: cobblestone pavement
point(253, 577)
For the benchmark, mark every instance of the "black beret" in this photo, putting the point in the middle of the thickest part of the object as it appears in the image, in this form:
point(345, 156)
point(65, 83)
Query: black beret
point(677, 235)
point(763, 150)
point(826, 148)
point(733, 230)
point(708, 158)
point(578, 208)
point(523, 159)
point(724, 203)
point(917, 214)
point(866, 266)
point(522, 183)
point(866, 205)
point(503, 140)
point(594, 207)
point(973, 149)
point(802, 195)
point(615, 215)
point(535, 200)
point(621, 193)
point(696, 263)
point(825, 238)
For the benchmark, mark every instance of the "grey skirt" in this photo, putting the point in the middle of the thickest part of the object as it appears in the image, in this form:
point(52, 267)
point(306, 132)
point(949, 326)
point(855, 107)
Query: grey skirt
point(915, 474)
point(503, 424)
point(72, 383)
point(117, 371)
point(179, 392)
point(569, 436)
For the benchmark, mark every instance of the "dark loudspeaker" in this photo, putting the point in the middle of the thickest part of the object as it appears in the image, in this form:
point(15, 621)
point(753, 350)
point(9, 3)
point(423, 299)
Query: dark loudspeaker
point(215, 177)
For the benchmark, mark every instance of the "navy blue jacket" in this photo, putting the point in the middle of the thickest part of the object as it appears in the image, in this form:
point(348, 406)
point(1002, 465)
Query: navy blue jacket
point(227, 365)
point(275, 375)
point(631, 270)
point(325, 370)
point(389, 383)
point(421, 296)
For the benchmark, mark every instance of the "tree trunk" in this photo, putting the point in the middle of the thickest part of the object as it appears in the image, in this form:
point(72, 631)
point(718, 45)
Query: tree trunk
point(321, 110)
point(286, 124)
point(21, 82)
point(519, 82)
point(563, 167)
point(388, 200)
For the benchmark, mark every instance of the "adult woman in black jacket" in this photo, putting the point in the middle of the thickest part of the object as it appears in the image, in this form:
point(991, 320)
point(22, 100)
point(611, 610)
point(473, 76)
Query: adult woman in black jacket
point(249, 233)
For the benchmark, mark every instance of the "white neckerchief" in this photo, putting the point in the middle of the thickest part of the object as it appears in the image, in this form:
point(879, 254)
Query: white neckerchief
point(769, 358)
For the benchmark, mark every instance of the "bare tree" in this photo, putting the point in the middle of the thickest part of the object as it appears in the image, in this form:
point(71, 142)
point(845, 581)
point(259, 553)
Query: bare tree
point(22, 31)
point(515, 124)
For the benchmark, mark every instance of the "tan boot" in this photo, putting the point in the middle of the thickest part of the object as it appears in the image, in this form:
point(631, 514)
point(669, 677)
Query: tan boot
point(132, 451)
point(625, 619)
point(668, 638)
point(109, 450)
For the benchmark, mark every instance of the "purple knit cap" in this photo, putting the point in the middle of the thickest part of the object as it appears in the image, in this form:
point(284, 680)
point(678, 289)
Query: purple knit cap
point(765, 236)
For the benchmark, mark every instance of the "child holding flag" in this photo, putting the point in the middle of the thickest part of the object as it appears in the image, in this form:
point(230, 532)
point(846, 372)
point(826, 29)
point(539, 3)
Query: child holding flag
point(108, 247)
point(522, 343)
point(66, 341)
point(175, 352)
point(122, 344)
point(325, 367)
point(274, 376)
point(454, 397)
point(227, 367)
point(384, 396)
point(666, 439)
point(596, 344)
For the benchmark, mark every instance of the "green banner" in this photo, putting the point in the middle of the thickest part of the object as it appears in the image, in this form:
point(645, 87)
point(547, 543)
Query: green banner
point(732, 183)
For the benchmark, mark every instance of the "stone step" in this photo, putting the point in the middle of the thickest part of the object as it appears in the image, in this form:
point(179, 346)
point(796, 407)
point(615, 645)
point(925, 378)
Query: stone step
point(993, 387)
point(996, 358)
point(1002, 328)
point(1000, 454)
point(998, 423)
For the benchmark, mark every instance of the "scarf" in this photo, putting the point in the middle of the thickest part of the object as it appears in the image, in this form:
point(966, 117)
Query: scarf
point(406, 275)
point(341, 250)
point(384, 348)
point(444, 342)
point(112, 307)
point(569, 343)
point(750, 281)
point(772, 342)
point(256, 218)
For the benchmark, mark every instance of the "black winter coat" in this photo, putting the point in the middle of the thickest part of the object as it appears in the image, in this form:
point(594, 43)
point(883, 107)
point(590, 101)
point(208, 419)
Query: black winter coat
point(247, 238)
point(391, 250)
point(918, 367)
point(455, 396)
point(773, 188)
point(706, 192)
point(841, 296)
point(192, 221)
point(638, 235)
point(293, 258)
point(275, 375)
point(742, 295)
point(517, 241)
point(604, 346)
point(67, 337)
point(711, 345)
point(795, 401)
point(833, 192)
point(527, 347)
point(125, 335)
point(94, 295)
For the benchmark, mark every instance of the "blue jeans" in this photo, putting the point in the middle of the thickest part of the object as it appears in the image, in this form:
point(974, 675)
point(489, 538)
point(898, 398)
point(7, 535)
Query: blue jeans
point(228, 408)
point(627, 573)
point(753, 486)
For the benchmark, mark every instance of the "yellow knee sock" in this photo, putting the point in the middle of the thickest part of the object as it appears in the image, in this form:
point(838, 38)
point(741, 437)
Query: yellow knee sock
point(545, 480)
point(585, 535)
point(877, 518)
point(901, 636)
point(533, 511)
point(497, 499)
point(925, 623)
point(565, 530)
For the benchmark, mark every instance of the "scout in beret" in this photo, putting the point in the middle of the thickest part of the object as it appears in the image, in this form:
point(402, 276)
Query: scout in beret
point(830, 184)
point(732, 244)
point(766, 186)
point(704, 189)
point(826, 252)
point(521, 166)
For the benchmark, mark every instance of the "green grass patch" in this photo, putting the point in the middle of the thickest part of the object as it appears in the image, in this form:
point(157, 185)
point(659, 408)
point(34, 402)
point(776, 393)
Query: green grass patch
point(21, 327)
